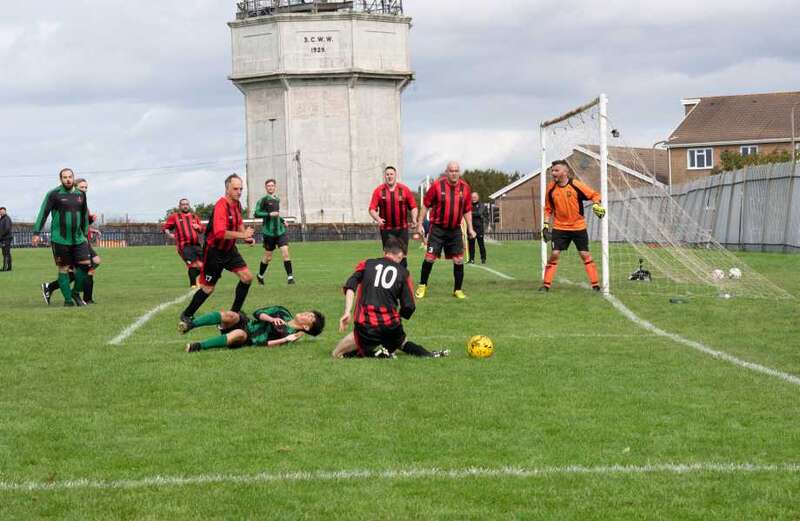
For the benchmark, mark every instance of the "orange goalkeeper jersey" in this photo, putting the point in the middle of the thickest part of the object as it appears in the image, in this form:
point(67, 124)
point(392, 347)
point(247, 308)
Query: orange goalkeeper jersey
point(566, 204)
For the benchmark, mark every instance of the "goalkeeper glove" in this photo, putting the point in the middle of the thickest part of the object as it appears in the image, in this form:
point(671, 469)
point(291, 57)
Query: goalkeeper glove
point(598, 210)
point(547, 234)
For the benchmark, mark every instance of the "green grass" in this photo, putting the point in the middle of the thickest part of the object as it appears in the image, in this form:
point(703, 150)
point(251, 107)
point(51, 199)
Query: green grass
point(572, 383)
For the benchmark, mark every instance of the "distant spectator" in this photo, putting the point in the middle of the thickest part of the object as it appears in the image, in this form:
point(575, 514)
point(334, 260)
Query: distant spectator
point(6, 237)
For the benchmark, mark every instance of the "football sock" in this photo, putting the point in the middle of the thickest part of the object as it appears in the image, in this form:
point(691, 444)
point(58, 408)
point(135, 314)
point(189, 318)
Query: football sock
point(287, 265)
point(209, 319)
point(200, 296)
point(52, 287)
point(241, 294)
point(215, 342)
point(81, 271)
point(193, 274)
point(410, 348)
point(63, 284)
point(549, 273)
point(591, 271)
point(458, 276)
point(426, 272)
point(88, 287)
point(262, 268)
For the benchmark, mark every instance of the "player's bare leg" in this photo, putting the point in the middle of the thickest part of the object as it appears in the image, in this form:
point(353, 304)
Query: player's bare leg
point(346, 345)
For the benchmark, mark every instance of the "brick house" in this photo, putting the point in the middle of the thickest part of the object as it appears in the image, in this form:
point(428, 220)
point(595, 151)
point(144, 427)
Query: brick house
point(744, 124)
point(519, 201)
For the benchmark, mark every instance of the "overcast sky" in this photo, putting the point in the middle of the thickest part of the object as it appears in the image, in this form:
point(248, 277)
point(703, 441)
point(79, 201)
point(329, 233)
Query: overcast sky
point(109, 85)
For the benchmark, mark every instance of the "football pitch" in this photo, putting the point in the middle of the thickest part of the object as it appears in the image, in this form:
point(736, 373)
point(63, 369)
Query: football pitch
point(580, 414)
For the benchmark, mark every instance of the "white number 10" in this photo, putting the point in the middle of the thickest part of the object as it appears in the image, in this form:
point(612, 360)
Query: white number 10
point(385, 277)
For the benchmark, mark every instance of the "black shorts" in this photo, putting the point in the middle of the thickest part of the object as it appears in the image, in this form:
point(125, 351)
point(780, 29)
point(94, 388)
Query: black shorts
point(240, 324)
point(214, 261)
point(270, 243)
point(66, 255)
point(400, 233)
point(562, 239)
point(448, 239)
point(191, 253)
point(368, 338)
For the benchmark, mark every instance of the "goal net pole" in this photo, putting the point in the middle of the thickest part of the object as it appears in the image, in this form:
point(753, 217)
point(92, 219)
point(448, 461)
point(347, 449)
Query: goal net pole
point(542, 190)
point(606, 273)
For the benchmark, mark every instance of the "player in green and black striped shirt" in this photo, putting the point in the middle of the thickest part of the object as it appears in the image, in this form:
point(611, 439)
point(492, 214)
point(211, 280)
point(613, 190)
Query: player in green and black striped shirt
point(69, 228)
point(274, 231)
point(269, 327)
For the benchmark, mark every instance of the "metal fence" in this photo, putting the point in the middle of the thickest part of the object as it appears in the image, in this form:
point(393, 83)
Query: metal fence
point(755, 209)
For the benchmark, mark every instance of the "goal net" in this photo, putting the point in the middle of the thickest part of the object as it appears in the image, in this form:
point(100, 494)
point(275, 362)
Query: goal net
point(647, 242)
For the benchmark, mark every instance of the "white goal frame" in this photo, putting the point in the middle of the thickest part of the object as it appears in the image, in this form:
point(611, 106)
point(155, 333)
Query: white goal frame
point(602, 103)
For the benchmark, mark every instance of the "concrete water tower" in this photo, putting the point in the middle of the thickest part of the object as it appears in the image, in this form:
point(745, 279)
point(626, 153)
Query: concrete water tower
point(323, 78)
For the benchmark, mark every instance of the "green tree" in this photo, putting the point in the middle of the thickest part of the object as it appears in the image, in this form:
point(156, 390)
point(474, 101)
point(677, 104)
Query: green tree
point(203, 210)
point(487, 182)
point(734, 161)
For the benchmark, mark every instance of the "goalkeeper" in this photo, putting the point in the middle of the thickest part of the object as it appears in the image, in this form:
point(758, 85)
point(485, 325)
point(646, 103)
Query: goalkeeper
point(564, 222)
point(269, 327)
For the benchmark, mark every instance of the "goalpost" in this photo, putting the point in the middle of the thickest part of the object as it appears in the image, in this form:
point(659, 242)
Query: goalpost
point(648, 242)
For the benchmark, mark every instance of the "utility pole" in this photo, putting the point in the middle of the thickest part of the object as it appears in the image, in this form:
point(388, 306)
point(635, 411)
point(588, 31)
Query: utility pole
point(300, 195)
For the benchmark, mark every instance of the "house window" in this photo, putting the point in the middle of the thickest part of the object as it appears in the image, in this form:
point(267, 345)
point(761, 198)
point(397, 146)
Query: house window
point(700, 158)
point(748, 150)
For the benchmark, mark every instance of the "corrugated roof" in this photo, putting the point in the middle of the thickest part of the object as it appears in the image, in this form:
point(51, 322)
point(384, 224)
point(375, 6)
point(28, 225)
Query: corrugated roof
point(745, 117)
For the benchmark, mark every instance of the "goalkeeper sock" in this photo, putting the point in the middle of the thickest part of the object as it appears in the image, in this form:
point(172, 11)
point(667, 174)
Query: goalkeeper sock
point(241, 294)
point(287, 265)
point(63, 285)
point(549, 273)
point(215, 342)
point(591, 271)
point(426, 272)
point(200, 296)
point(458, 276)
point(410, 348)
point(81, 272)
point(262, 268)
point(209, 319)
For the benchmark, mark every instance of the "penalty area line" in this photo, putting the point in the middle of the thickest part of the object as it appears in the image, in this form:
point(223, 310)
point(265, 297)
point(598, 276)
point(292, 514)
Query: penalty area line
point(494, 272)
point(128, 331)
point(402, 474)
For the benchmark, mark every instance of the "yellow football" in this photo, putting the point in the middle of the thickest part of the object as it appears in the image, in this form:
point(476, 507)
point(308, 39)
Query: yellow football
point(480, 346)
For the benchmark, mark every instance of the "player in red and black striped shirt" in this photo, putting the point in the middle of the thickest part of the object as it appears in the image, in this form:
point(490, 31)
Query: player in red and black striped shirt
point(391, 202)
point(377, 287)
point(224, 228)
point(184, 228)
point(449, 199)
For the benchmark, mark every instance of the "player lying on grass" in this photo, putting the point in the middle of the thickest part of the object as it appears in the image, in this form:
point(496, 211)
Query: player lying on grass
point(380, 285)
point(269, 327)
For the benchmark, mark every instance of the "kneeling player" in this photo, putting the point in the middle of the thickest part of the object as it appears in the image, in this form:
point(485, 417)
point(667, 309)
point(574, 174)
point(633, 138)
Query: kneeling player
point(269, 327)
point(380, 284)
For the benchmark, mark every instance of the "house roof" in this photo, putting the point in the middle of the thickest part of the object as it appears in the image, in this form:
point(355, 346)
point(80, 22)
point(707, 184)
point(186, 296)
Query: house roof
point(732, 119)
point(515, 184)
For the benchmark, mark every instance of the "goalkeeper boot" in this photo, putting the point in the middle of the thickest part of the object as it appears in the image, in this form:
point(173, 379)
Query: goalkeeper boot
point(46, 293)
point(544, 289)
point(459, 294)
point(595, 288)
point(185, 324)
point(193, 347)
point(440, 354)
point(421, 290)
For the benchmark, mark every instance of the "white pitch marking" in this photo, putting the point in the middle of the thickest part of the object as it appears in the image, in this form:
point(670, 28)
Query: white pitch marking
point(399, 474)
point(495, 272)
point(718, 355)
point(128, 331)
